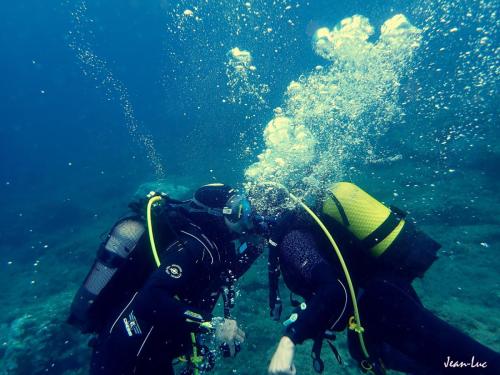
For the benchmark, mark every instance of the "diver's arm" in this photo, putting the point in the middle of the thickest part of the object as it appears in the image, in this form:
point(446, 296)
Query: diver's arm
point(324, 310)
point(326, 298)
point(182, 268)
point(327, 301)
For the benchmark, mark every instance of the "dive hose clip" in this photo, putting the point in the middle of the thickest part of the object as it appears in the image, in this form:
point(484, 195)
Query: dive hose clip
point(354, 326)
point(372, 367)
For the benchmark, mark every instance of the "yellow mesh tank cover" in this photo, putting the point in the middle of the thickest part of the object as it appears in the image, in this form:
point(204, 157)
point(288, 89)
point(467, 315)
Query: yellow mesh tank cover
point(364, 213)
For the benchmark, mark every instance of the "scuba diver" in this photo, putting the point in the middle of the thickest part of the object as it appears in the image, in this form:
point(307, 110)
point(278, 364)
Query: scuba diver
point(363, 285)
point(156, 279)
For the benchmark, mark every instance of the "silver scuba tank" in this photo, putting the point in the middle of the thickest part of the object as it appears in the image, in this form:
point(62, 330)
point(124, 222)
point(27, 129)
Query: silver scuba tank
point(114, 251)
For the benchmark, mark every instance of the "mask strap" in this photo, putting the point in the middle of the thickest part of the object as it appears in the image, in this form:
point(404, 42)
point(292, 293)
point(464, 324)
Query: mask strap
point(204, 209)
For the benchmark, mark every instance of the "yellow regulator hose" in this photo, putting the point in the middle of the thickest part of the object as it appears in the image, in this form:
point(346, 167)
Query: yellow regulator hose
point(154, 199)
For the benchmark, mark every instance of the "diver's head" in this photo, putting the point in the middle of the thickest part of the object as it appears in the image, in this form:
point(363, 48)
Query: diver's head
point(238, 214)
point(221, 204)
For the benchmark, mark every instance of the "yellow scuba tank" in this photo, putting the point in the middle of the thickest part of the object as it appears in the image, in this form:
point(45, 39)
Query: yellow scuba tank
point(365, 217)
point(382, 231)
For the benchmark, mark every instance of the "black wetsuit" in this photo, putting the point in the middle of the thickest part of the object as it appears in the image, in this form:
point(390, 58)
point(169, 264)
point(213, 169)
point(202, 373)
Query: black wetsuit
point(154, 326)
point(398, 328)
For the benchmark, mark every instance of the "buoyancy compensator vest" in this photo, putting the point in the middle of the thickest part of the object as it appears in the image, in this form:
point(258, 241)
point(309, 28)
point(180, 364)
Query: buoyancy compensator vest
point(383, 232)
point(123, 262)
